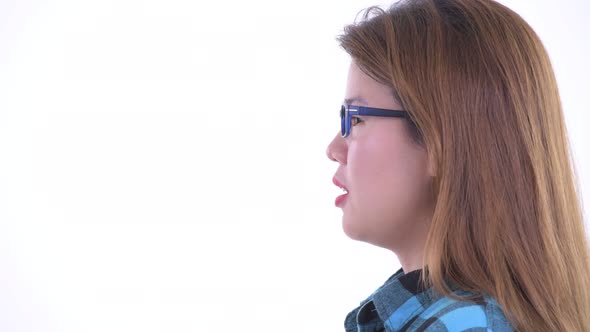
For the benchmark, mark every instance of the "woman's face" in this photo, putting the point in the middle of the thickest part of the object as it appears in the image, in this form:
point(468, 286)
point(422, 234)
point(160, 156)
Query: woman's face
point(389, 201)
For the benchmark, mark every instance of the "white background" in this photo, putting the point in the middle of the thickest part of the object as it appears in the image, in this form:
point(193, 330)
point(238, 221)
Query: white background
point(162, 163)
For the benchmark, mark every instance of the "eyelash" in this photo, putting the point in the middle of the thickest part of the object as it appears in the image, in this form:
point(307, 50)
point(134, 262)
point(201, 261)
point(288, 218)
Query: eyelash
point(358, 120)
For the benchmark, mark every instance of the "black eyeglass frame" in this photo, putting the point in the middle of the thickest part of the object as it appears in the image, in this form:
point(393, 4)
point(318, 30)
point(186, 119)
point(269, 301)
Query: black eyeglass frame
point(348, 111)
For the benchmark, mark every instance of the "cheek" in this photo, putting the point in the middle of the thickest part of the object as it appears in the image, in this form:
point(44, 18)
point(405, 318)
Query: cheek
point(367, 168)
point(389, 180)
point(374, 166)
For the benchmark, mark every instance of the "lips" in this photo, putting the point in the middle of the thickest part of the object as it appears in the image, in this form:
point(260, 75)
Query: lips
point(339, 184)
point(340, 199)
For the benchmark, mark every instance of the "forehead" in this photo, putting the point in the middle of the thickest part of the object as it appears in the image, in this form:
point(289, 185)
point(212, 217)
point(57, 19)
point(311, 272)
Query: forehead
point(361, 87)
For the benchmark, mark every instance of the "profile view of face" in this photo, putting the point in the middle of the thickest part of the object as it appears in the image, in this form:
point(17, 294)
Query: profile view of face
point(386, 174)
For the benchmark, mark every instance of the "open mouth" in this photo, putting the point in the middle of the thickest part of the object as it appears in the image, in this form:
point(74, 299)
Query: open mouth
point(340, 199)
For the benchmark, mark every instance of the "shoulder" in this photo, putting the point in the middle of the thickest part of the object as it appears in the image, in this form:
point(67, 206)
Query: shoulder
point(447, 314)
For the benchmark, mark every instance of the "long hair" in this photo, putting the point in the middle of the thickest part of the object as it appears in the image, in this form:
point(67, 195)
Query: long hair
point(483, 100)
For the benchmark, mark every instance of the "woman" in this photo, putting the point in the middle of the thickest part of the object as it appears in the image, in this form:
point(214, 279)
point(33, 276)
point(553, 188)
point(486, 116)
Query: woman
point(453, 154)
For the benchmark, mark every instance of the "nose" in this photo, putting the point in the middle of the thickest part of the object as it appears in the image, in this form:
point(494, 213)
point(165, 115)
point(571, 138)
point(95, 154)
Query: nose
point(337, 150)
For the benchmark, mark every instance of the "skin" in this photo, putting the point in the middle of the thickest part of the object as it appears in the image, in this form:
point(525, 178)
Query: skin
point(388, 176)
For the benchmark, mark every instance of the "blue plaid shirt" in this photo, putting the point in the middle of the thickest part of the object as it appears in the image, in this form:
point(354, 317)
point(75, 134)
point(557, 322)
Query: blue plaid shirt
point(401, 305)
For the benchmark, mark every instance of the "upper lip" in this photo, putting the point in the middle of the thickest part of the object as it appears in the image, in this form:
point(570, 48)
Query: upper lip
point(339, 184)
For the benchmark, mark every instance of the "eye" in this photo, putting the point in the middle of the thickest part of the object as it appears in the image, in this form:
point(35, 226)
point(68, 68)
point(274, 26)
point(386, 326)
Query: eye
point(355, 120)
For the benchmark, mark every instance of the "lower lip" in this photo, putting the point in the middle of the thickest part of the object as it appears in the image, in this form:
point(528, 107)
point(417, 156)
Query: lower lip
point(340, 199)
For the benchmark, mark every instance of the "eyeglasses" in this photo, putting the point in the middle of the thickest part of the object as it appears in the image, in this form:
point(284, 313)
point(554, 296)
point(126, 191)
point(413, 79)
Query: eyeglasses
point(348, 111)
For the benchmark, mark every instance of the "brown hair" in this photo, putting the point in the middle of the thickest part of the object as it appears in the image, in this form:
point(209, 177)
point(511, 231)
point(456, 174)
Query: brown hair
point(480, 89)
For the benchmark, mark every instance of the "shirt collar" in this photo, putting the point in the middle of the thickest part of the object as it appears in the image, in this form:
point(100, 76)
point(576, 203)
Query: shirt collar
point(400, 298)
point(392, 296)
point(395, 294)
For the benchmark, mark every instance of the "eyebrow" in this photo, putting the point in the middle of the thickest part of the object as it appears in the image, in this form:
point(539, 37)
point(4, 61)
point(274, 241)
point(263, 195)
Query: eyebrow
point(357, 99)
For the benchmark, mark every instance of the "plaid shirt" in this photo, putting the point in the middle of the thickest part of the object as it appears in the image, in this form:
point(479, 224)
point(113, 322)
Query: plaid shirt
point(401, 305)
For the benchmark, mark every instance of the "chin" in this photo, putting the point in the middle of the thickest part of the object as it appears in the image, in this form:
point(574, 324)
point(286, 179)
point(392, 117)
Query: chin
point(357, 230)
point(353, 229)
